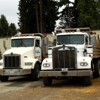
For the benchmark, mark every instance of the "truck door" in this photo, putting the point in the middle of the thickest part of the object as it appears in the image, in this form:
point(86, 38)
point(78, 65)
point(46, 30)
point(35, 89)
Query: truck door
point(38, 50)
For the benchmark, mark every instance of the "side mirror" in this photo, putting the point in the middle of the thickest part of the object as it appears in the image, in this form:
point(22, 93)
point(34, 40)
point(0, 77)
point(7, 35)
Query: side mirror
point(85, 51)
point(93, 40)
point(54, 42)
point(4, 45)
point(53, 33)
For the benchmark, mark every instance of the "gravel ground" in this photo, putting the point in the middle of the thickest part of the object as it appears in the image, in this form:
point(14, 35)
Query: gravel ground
point(23, 89)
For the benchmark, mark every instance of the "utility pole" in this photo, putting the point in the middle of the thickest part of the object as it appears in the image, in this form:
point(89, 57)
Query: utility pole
point(41, 16)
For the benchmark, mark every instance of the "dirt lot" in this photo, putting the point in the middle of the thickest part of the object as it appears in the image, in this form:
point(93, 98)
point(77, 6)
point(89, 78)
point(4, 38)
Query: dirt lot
point(24, 89)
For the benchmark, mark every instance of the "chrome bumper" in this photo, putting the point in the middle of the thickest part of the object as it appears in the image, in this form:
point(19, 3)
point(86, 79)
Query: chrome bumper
point(66, 73)
point(14, 72)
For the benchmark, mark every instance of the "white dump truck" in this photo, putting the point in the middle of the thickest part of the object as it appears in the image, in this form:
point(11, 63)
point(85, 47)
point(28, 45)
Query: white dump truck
point(24, 57)
point(76, 54)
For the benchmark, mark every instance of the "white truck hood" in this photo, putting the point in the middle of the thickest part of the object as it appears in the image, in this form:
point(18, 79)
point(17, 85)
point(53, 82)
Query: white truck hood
point(20, 51)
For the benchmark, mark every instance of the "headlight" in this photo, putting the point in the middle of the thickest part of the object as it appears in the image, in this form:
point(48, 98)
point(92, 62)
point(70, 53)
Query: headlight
point(83, 63)
point(1, 64)
point(28, 63)
point(46, 65)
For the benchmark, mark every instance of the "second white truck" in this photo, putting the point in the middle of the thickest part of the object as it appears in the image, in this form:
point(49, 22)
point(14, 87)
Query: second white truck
point(24, 57)
point(76, 54)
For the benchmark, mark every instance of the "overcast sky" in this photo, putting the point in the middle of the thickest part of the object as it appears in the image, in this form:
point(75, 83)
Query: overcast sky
point(10, 9)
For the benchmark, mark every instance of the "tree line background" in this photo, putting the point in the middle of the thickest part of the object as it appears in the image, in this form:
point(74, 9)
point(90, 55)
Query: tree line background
point(39, 16)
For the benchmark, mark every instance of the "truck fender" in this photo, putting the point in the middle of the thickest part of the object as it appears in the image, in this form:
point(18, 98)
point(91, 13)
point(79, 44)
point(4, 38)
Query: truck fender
point(86, 59)
point(91, 62)
point(35, 62)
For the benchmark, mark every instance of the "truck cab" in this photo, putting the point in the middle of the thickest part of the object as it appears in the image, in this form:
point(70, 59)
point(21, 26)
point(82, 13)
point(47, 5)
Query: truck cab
point(24, 57)
point(71, 57)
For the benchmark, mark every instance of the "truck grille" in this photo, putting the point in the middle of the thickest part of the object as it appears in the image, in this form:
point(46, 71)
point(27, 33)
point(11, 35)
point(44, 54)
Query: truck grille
point(12, 61)
point(64, 57)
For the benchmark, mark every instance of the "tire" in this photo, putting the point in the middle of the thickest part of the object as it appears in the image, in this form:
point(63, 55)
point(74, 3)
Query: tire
point(4, 78)
point(47, 81)
point(96, 72)
point(87, 80)
point(35, 73)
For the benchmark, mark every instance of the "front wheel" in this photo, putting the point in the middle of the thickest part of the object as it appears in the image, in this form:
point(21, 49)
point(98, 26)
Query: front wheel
point(47, 81)
point(4, 78)
point(35, 73)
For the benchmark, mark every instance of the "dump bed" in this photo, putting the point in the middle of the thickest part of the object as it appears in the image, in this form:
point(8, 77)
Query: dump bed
point(96, 49)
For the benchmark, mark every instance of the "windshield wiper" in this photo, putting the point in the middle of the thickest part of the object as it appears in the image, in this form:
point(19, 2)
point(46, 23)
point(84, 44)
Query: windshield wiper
point(59, 42)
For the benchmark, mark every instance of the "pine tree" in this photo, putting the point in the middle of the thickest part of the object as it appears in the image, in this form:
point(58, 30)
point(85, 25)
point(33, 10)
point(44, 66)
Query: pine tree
point(4, 26)
point(34, 15)
point(88, 14)
point(83, 13)
point(68, 13)
point(12, 29)
point(50, 12)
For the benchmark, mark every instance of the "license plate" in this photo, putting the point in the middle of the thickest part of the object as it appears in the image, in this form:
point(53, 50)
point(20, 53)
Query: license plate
point(11, 72)
point(64, 69)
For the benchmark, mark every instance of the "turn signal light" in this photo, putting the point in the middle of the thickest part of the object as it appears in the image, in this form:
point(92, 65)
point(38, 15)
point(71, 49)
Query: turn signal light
point(90, 56)
point(94, 33)
point(45, 57)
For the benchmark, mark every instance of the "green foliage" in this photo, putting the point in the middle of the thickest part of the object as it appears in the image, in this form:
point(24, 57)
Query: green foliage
point(50, 12)
point(33, 14)
point(69, 13)
point(26, 13)
point(12, 29)
point(3, 26)
point(89, 15)
point(5, 29)
point(83, 13)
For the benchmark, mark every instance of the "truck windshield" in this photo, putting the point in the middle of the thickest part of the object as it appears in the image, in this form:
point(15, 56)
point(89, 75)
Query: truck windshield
point(26, 42)
point(70, 39)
